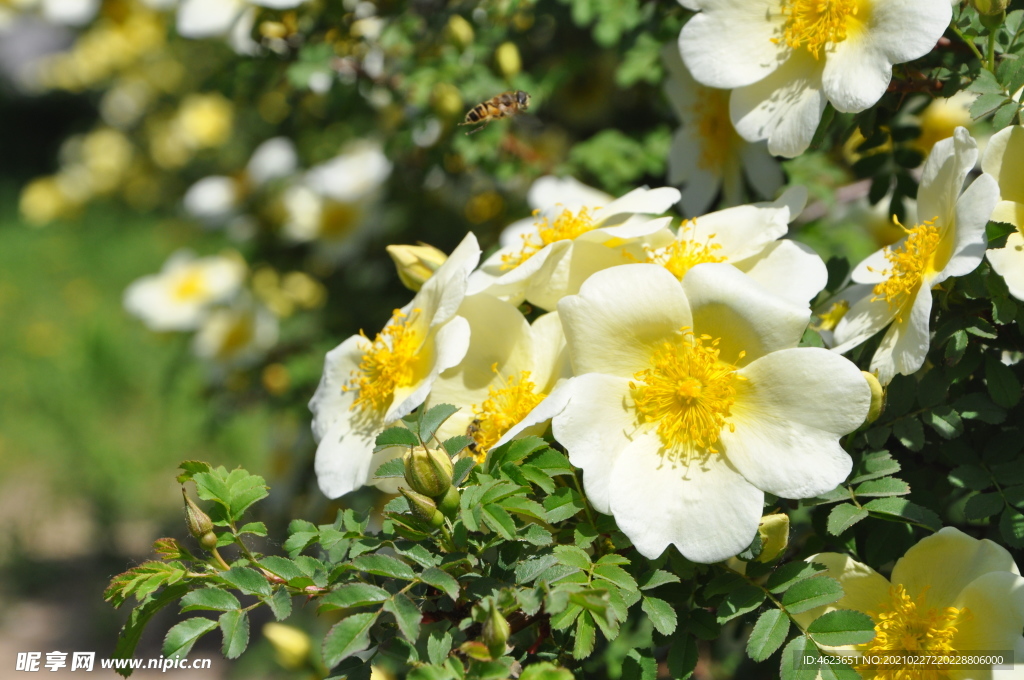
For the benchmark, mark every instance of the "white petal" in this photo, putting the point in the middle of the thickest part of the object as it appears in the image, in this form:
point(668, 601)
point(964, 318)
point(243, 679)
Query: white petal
point(943, 176)
point(1009, 212)
point(212, 198)
point(594, 425)
point(741, 232)
point(550, 352)
point(1008, 262)
point(568, 192)
point(905, 346)
point(791, 270)
point(972, 213)
point(278, 4)
point(449, 346)
point(709, 512)
point(443, 292)
point(871, 268)
point(1004, 160)
point(643, 200)
point(620, 316)
point(552, 405)
point(962, 559)
point(996, 605)
point(330, 402)
point(789, 414)
point(730, 305)
point(907, 29)
point(865, 318)
point(344, 458)
point(206, 18)
point(729, 44)
point(272, 159)
point(856, 74)
point(784, 108)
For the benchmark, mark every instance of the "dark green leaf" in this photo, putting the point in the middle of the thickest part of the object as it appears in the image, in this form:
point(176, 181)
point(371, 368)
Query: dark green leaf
point(131, 632)
point(616, 575)
point(740, 601)
point(768, 634)
point(910, 433)
point(875, 465)
point(393, 468)
point(433, 418)
point(945, 421)
point(970, 477)
point(180, 638)
point(1005, 115)
point(441, 580)
point(498, 519)
point(249, 581)
point(545, 671)
point(234, 626)
point(210, 599)
point(661, 614)
point(1011, 526)
point(572, 556)
point(384, 565)
point(905, 510)
point(977, 406)
point(395, 436)
point(353, 595)
point(586, 635)
point(347, 637)
point(463, 467)
point(439, 645)
point(255, 528)
point(791, 666)
point(1003, 386)
point(657, 578)
point(887, 486)
point(406, 614)
point(844, 516)
point(842, 627)
point(811, 593)
point(986, 104)
point(785, 576)
point(279, 566)
point(982, 505)
point(838, 671)
point(454, 445)
point(562, 504)
point(280, 604)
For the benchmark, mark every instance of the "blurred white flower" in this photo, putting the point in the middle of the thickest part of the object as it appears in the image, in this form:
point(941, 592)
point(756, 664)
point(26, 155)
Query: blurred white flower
point(236, 336)
point(208, 18)
point(181, 295)
point(786, 59)
point(1004, 159)
point(707, 155)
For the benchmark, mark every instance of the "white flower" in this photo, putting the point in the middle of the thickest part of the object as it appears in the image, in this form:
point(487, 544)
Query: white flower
point(368, 384)
point(950, 241)
point(1004, 159)
point(785, 59)
point(238, 335)
point(690, 401)
point(208, 18)
point(575, 231)
point(949, 593)
point(749, 237)
point(707, 155)
point(511, 365)
point(180, 296)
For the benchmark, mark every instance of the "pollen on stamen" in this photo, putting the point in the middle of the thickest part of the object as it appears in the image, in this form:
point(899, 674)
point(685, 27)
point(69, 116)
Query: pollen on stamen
point(688, 394)
point(387, 364)
point(684, 253)
point(815, 24)
point(506, 406)
point(908, 265)
point(566, 226)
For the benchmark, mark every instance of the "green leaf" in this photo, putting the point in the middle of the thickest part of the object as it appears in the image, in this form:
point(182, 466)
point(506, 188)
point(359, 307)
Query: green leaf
point(393, 468)
point(905, 510)
point(740, 601)
point(455, 445)
point(234, 626)
point(537, 535)
point(395, 436)
point(131, 632)
point(844, 516)
point(768, 634)
point(811, 593)
point(661, 614)
point(515, 451)
point(842, 627)
point(1011, 526)
point(406, 614)
point(280, 604)
point(970, 477)
point(249, 581)
point(682, 657)
point(279, 566)
point(657, 578)
point(586, 635)
point(433, 418)
point(190, 468)
point(384, 565)
point(498, 519)
point(210, 599)
point(562, 504)
point(788, 574)
point(571, 556)
point(838, 671)
point(538, 478)
point(244, 489)
point(874, 465)
point(180, 638)
point(439, 646)
point(639, 664)
point(463, 467)
point(977, 406)
point(944, 420)
point(791, 665)
point(1004, 115)
point(982, 505)
point(545, 671)
point(349, 636)
point(910, 433)
point(524, 506)
point(254, 528)
point(616, 575)
point(353, 595)
point(1003, 385)
point(887, 486)
point(986, 104)
point(441, 580)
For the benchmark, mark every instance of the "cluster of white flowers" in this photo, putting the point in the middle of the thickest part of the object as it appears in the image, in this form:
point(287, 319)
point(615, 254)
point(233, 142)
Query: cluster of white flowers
point(666, 361)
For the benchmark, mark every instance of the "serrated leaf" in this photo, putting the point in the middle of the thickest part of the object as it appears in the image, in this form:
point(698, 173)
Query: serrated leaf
point(280, 604)
point(682, 657)
point(131, 632)
point(249, 581)
point(945, 421)
point(886, 486)
point(384, 565)
point(234, 626)
point(617, 575)
point(537, 535)
point(498, 519)
point(545, 671)
point(1003, 385)
point(982, 505)
point(977, 406)
point(462, 469)
point(433, 418)
point(788, 574)
point(657, 578)
point(970, 477)
point(395, 436)
point(791, 665)
point(661, 614)
point(279, 566)
point(455, 445)
point(538, 478)
point(904, 509)
point(254, 528)
point(441, 580)
point(392, 468)
point(875, 465)
point(1011, 526)
point(842, 627)
point(439, 645)
point(1005, 115)
point(406, 614)
point(986, 104)
point(349, 636)
point(180, 638)
point(353, 595)
point(586, 635)
point(562, 504)
point(768, 634)
point(244, 489)
point(572, 556)
point(515, 451)
point(209, 599)
point(811, 593)
point(740, 601)
point(910, 432)
point(844, 516)
point(524, 506)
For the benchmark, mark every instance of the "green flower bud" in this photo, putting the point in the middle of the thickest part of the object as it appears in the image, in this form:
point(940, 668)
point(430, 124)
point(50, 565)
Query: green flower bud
point(990, 7)
point(423, 507)
point(877, 397)
point(449, 503)
point(428, 472)
point(198, 522)
point(495, 632)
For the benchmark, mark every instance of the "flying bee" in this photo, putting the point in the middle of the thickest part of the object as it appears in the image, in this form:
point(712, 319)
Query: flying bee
point(505, 105)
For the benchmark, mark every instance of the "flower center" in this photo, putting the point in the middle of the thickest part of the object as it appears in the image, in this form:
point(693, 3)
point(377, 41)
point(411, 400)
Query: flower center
point(816, 23)
point(388, 363)
point(689, 392)
point(338, 220)
point(684, 253)
point(910, 625)
point(567, 226)
point(711, 115)
point(908, 265)
point(239, 335)
point(504, 407)
point(190, 286)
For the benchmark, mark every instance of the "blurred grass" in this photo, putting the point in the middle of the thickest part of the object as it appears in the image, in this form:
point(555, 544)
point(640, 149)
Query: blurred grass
point(92, 404)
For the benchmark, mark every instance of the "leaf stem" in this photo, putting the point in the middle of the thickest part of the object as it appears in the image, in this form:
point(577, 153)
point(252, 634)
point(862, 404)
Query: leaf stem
point(968, 42)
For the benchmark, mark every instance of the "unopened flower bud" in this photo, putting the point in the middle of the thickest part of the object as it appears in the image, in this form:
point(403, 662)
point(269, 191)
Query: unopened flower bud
point(495, 632)
point(416, 264)
point(877, 397)
point(428, 471)
point(449, 503)
point(423, 507)
point(291, 645)
point(508, 60)
point(990, 7)
point(774, 532)
point(199, 523)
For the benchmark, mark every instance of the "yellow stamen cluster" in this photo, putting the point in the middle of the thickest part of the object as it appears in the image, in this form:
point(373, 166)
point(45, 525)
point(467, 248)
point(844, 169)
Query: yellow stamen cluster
point(689, 392)
point(388, 363)
point(717, 135)
point(504, 407)
point(815, 24)
point(684, 253)
point(909, 625)
point(190, 285)
point(908, 265)
point(831, 318)
point(567, 226)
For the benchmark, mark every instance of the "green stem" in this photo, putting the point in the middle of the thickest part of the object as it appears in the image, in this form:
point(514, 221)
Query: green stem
point(586, 501)
point(967, 42)
point(220, 560)
point(992, 51)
